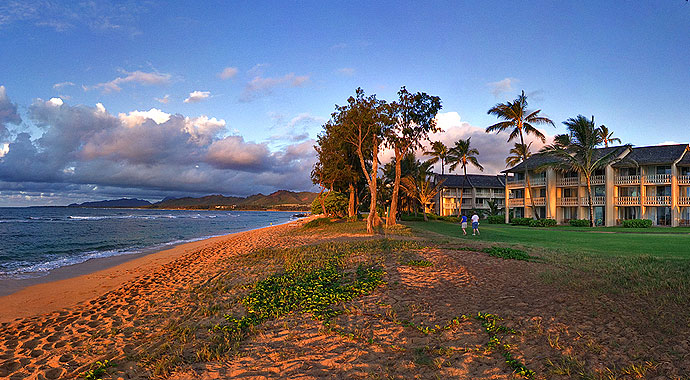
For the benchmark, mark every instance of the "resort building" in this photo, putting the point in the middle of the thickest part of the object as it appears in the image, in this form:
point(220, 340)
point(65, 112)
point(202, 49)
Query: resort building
point(477, 191)
point(651, 182)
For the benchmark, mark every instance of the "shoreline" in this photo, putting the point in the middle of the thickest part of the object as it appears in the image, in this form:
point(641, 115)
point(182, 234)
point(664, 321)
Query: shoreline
point(70, 285)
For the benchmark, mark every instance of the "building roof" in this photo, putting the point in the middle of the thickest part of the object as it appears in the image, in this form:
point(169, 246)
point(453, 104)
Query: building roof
point(650, 155)
point(685, 161)
point(473, 180)
point(535, 161)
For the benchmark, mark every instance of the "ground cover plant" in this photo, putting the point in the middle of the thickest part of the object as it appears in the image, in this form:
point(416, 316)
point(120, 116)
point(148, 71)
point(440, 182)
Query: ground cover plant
point(507, 253)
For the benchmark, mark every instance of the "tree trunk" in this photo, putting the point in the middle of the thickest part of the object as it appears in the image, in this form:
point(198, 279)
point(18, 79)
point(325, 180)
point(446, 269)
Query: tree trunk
point(373, 219)
point(424, 210)
point(462, 189)
point(390, 221)
point(351, 204)
point(589, 199)
point(323, 205)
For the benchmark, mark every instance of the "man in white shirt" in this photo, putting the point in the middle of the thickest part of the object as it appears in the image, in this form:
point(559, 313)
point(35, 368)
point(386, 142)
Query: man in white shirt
point(475, 224)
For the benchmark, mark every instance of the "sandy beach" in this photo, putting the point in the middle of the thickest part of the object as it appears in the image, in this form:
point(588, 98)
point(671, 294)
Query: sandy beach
point(154, 317)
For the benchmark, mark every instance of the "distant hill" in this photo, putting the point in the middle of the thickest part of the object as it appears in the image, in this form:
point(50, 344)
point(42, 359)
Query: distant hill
point(114, 203)
point(280, 200)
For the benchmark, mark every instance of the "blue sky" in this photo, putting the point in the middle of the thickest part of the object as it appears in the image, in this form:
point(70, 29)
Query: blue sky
point(261, 77)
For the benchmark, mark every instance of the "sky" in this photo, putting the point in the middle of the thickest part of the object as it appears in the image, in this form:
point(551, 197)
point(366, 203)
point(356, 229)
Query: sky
point(148, 99)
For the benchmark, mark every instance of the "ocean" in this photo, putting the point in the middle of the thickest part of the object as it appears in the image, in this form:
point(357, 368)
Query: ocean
point(37, 240)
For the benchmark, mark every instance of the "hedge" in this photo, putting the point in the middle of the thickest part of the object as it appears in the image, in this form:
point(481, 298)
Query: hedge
point(637, 223)
point(542, 222)
point(579, 222)
point(520, 221)
point(496, 219)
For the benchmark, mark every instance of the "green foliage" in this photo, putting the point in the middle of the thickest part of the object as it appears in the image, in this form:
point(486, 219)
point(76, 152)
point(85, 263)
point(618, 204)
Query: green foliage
point(520, 221)
point(496, 219)
point(418, 263)
point(637, 223)
point(491, 325)
point(507, 253)
point(579, 222)
point(335, 203)
point(318, 223)
point(542, 222)
point(97, 370)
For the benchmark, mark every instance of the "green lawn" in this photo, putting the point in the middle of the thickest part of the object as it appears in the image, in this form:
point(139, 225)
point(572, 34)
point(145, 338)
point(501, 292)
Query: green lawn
point(658, 242)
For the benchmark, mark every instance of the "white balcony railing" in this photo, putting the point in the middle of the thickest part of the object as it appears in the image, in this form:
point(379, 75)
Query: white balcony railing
point(684, 201)
point(516, 183)
point(658, 178)
point(597, 180)
point(539, 202)
point(627, 180)
point(657, 200)
point(627, 201)
point(537, 181)
point(568, 181)
point(599, 200)
point(516, 202)
point(684, 179)
point(568, 201)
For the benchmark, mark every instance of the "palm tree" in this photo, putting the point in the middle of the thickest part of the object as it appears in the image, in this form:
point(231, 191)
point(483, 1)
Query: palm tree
point(577, 152)
point(607, 136)
point(518, 153)
point(438, 152)
point(521, 121)
point(462, 154)
point(420, 187)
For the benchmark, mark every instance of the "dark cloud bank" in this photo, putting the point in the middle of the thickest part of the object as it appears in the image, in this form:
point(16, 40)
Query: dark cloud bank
point(88, 153)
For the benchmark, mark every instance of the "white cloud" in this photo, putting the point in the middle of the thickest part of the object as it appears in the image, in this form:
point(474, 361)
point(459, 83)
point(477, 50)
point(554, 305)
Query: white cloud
point(263, 86)
point(202, 130)
point(163, 100)
point(58, 86)
point(197, 96)
point(228, 72)
point(57, 102)
point(138, 77)
point(135, 118)
point(502, 86)
point(100, 107)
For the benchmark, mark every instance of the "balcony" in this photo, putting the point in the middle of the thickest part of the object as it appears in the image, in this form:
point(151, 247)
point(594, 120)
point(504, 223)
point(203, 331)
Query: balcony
point(539, 201)
point(627, 201)
point(658, 179)
point(516, 202)
point(515, 184)
point(568, 181)
point(596, 201)
point(683, 201)
point(538, 181)
point(597, 180)
point(684, 180)
point(627, 180)
point(568, 201)
point(657, 200)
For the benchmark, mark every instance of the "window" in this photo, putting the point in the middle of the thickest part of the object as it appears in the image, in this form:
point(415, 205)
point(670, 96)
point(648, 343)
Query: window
point(569, 193)
point(684, 170)
point(570, 175)
point(518, 193)
point(599, 191)
point(542, 193)
point(663, 170)
point(663, 191)
point(599, 172)
point(629, 191)
point(627, 171)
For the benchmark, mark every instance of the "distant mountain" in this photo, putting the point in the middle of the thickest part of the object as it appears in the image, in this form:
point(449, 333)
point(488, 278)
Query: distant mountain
point(280, 200)
point(114, 203)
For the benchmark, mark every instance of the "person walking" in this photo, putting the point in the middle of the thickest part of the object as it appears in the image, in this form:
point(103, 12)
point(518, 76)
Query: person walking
point(463, 224)
point(475, 224)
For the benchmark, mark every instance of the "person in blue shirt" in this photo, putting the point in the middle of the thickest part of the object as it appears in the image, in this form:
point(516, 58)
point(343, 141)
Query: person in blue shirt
point(463, 220)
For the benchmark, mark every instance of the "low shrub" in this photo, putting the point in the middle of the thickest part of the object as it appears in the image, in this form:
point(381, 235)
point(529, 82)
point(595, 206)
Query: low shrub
point(507, 253)
point(496, 219)
point(637, 223)
point(520, 221)
point(318, 223)
point(417, 263)
point(579, 222)
point(542, 222)
point(335, 203)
